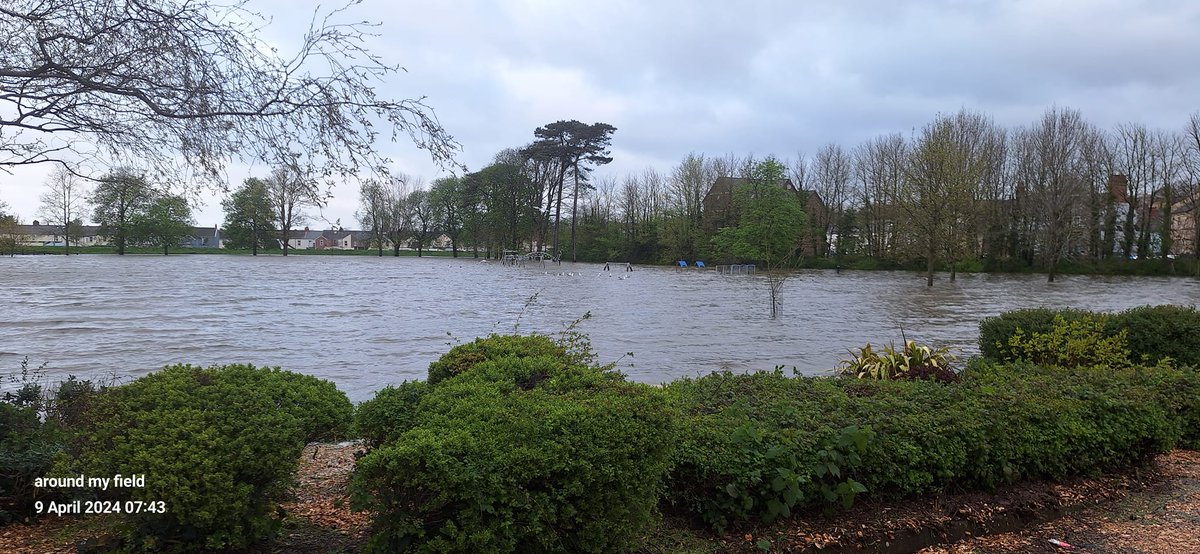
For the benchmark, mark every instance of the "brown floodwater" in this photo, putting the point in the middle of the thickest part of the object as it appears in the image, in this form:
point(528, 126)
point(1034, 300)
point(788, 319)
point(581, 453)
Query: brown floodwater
point(366, 322)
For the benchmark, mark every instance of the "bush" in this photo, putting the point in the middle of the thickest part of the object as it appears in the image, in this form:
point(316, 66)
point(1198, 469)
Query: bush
point(217, 447)
point(1154, 332)
point(521, 454)
point(390, 413)
point(463, 357)
point(1157, 332)
point(1081, 342)
point(27, 447)
point(994, 332)
point(752, 445)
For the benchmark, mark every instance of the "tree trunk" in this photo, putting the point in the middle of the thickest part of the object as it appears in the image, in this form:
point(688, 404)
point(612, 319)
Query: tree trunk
point(574, 210)
point(929, 266)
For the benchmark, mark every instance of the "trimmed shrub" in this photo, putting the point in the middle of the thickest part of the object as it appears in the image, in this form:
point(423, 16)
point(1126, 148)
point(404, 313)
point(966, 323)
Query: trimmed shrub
point(390, 413)
point(1154, 332)
point(217, 447)
point(742, 434)
point(1157, 332)
point(1081, 342)
point(463, 357)
point(994, 332)
point(521, 454)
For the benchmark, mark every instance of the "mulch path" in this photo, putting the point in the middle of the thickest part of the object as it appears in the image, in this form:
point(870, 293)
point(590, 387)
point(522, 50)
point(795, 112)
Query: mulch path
point(1153, 509)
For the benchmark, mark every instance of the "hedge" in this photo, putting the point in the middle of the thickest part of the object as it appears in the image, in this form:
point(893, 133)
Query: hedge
point(1154, 332)
point(217, 446)
point(1002, 423)
point(518, 454)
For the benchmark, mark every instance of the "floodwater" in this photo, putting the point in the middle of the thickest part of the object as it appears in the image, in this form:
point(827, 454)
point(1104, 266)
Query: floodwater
point(366, 322)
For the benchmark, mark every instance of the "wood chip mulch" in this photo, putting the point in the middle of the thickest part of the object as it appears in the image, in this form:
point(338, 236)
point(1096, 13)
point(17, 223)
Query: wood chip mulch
point(1152, 509)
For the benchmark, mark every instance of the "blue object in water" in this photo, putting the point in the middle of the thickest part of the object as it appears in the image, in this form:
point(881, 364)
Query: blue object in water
point(699, 263)
point(682, 263)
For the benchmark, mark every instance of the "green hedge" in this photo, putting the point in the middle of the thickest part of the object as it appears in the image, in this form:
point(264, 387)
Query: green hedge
point(217, 446)
point(1003, 423)
point(1154, 332)
point(463, 357)
point(519, 454)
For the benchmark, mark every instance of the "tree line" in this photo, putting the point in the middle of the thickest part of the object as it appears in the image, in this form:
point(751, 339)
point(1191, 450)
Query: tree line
point(962, 191)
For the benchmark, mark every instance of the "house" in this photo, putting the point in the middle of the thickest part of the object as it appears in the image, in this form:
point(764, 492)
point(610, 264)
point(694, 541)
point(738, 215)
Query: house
point(203, 237)
point(302, 239)
point(718, 209)
point(338, 240)
point(51, 235)
point(1184, 215)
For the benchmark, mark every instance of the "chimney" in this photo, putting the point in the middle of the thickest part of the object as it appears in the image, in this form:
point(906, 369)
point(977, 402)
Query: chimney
point(1118, 187)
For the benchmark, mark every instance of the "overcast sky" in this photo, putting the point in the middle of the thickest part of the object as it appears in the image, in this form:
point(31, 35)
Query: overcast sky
point(749, 77)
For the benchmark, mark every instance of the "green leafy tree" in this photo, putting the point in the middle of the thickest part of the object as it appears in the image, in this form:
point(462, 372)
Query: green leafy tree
point(166, 222)
point(119, 200)
point(770, 218)
point(449, 197)
point(575, 146)
point(249, 221)
point(425, 214)
point(11, 236)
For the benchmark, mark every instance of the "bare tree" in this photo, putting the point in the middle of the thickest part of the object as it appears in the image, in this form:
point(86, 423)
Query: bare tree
point(879, 166)
point(952, 161)
point(62, 205)
point(372, 213)
point(1054, 171)
point(1191, 191)
point(831, 170)
point(290, 190)
point(95, 83)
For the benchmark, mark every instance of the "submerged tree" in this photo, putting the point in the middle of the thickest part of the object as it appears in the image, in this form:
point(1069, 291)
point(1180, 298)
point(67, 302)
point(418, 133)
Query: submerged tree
point(97, 83)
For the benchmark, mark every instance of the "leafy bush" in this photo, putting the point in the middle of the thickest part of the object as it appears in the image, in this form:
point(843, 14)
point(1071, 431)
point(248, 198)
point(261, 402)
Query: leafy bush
point(463, 357)
point(520, 454)
point(746, 436)
point(390, 413)
point(994, 332)
point(1081, 342)
point(26, 448)
point(1154, 332)
point(760, 445)
point(216, 445)
point(1157, 332)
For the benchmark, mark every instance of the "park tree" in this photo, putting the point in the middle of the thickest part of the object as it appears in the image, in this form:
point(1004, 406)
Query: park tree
point(373, 212)
point(249, 217)
point(450, 202)
point(831, 175)
point(63, 203)
point(166, 221)
point(425, 216)
point(952, 161)
point(574, 147)
point(879, 166)
point(186, 86)
point(1053, 169)
point(118, 200)
point(290, 190)
point(770, 218)
point(11, 236)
